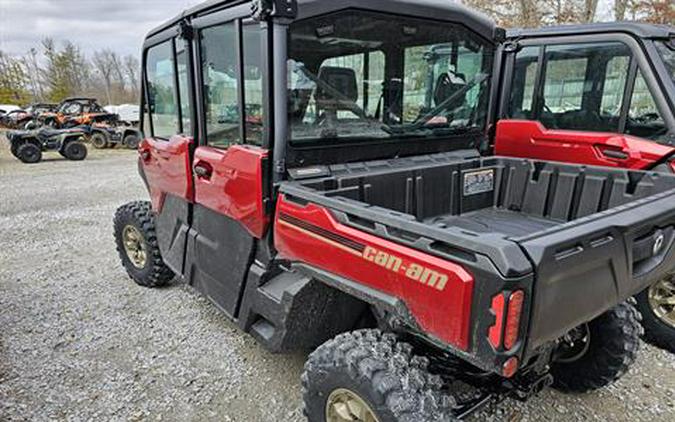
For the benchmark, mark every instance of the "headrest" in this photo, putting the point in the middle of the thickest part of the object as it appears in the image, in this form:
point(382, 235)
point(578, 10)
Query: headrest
point(446, 86)
point(342, 79)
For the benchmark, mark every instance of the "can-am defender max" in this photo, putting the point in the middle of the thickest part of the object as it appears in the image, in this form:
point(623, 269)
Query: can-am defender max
point(351, 217)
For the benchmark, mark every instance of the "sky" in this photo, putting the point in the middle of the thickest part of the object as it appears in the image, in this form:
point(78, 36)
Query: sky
point(119, 25)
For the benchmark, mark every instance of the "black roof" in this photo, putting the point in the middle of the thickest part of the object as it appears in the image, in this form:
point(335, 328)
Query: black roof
point(72, 99)
point(434, 9)
point(636, 29)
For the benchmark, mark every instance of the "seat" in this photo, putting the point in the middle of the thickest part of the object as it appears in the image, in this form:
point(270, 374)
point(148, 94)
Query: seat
point(446, 86)
point(342, 80)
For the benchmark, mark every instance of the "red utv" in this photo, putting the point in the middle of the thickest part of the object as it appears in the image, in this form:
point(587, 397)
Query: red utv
point(359, 219)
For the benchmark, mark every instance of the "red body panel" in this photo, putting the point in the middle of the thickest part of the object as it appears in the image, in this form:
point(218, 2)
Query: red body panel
point(167, 168)
point(310, 234)
point(235, 185)
point(530, 139)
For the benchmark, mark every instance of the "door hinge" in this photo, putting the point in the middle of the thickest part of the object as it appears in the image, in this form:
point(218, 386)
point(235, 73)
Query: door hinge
point(185, 31)
point(264, 9)
point(511, 47)
point(280, 166)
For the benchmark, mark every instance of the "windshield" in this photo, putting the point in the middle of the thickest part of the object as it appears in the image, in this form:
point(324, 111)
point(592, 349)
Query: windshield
point(667, 52)
point(355, 76)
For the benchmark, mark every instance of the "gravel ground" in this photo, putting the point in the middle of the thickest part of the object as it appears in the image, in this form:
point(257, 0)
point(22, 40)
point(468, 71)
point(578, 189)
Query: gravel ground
point(80, 341)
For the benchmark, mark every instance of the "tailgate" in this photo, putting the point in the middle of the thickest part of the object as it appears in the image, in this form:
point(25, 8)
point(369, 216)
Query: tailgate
point(587, 266)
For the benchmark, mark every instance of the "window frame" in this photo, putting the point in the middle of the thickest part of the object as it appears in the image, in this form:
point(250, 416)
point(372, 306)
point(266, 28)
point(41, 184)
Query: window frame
point(145, 103)
point(638, 60)
point(239, 16)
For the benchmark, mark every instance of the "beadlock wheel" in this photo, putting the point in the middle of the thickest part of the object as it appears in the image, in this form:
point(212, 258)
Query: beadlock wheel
point(134, 246)
point(344, 405)
point(662, 300)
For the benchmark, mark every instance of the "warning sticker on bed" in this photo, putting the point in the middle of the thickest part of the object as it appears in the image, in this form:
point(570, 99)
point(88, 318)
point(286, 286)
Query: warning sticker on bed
point(479, 182)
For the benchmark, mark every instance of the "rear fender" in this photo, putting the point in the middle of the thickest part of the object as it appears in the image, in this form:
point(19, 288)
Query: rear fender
point(437, 292)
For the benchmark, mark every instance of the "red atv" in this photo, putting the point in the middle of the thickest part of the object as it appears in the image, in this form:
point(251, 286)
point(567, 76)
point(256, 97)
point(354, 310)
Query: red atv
point(360, 220)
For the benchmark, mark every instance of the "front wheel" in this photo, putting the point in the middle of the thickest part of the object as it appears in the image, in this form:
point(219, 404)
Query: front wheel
point(131, 141)
point(99, 140)
point(137, 246)
point(29, 153)
point(369, 376)
point(657, 306)
point(598, 353)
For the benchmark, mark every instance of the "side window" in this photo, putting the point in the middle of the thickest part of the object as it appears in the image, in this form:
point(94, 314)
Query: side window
point(522, 85)
point(161, 93)
point(644, 119)
point(183, 89)
point(616, 76)
point(253, 88)
point(564, 82)
point(219, 76)
point(583, 86)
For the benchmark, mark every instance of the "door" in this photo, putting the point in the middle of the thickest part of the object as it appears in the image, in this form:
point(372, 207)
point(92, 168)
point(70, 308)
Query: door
point(229, 163)
point(165, 151)
point(585, 101)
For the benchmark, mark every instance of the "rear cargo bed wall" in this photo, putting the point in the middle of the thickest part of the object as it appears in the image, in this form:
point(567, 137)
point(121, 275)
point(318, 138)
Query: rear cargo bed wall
point(550, 190)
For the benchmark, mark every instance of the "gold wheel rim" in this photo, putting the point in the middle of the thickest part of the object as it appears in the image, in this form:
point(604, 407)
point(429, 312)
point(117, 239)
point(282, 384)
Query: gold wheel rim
point(346, 406)
point(662, 300)
point(134, 246)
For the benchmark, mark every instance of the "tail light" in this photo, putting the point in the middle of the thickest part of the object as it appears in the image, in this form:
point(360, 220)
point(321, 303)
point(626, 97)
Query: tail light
point(672, 165)
point(507, 314)
point(510, 367)
point(495, 332)
point(513, 314)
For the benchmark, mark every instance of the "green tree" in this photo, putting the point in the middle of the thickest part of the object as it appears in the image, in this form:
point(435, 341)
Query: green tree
point(13, 81)
point(66, 72)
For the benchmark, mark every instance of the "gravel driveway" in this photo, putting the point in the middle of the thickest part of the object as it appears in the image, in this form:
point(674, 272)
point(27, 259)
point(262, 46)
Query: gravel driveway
point(80, 341)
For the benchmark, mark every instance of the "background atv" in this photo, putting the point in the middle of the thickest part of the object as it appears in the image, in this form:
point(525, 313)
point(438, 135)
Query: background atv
point(28, 146)
point(15, 119)
point(111, 135)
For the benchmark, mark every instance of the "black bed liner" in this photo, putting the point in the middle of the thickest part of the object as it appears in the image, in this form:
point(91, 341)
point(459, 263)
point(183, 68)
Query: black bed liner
point(586, 235)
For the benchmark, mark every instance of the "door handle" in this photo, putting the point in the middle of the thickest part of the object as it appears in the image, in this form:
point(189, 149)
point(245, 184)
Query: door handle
point(615, 154)
point(203, 170)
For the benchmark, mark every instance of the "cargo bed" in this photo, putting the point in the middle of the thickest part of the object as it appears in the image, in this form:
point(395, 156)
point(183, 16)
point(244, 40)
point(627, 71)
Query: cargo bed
point(587, 238)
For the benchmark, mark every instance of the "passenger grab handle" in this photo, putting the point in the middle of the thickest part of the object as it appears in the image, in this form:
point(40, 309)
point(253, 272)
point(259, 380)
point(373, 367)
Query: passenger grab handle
point(203, 170)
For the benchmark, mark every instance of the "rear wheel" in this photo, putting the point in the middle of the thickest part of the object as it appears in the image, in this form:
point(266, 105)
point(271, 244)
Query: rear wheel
point(99, 140)
point(75, 150)
point(598, 353)
point(136, 239)
point(29, 153)
point(657, 306)
point(371, 377)
point(131, 141)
